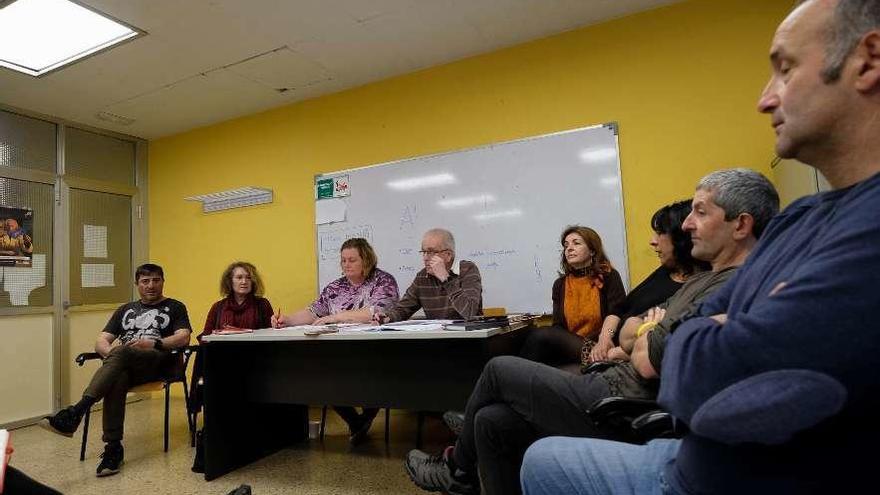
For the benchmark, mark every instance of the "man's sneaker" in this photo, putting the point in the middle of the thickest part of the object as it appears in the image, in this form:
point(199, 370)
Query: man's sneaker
point(455, 421)
point(111, 460)
point(437, 473)
point(360, 435)
point(64, 422)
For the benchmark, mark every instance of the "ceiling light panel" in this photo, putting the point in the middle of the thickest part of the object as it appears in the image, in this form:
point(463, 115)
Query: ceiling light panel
point(39, 36)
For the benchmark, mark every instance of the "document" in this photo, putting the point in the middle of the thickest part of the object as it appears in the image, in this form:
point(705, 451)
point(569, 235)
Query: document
point(232, 331)
point(329, 211)
point(413, 326)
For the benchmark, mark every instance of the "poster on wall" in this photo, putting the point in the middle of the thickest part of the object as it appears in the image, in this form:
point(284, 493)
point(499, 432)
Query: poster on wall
point(16, 236)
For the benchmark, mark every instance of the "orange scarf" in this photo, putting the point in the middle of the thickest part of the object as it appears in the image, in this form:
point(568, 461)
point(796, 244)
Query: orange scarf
point(583, 306)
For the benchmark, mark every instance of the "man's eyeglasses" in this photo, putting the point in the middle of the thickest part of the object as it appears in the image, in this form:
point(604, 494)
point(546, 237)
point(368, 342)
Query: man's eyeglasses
point(431, 252)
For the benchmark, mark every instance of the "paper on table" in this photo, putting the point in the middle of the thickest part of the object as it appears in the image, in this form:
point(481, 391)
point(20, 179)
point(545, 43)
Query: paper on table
point(329, 211)
point(232, 331)
point(411, 328)
point(421, 322)
point(357, 327)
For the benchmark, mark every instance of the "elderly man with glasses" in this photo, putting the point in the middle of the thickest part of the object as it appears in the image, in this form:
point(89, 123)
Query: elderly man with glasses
point(445, 289)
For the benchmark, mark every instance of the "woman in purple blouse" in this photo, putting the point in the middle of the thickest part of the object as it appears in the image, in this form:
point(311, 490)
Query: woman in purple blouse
point(353, 298)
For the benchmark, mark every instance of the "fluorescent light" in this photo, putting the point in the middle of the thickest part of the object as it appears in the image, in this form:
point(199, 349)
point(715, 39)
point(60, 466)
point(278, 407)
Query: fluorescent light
point(592, 155)
point(499, 214)
point(422, 182)
point(38, 36)
point(462, 202)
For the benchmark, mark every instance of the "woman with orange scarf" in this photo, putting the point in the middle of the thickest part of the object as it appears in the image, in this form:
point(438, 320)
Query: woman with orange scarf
point(587, 290)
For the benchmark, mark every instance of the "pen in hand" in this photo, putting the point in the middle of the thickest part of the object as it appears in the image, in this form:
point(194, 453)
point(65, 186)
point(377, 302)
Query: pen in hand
point(277, 318)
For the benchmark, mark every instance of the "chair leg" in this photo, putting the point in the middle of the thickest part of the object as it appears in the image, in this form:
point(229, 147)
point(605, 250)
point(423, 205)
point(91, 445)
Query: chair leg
point(387, 425)
point(419, 424)
point(167, 401)
point(85, 435)
point(190, 416)
point(323, 421)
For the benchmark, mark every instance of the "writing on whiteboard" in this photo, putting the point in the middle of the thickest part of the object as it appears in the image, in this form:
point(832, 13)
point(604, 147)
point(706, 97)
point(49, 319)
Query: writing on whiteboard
point(330, 240)
point(408, 217)
point(499, 252)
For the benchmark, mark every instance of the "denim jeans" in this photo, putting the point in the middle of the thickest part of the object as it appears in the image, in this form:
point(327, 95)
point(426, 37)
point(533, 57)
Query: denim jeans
point(592, 466)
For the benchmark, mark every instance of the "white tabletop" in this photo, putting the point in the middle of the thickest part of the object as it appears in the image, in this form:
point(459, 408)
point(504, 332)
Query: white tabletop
point(297, 333)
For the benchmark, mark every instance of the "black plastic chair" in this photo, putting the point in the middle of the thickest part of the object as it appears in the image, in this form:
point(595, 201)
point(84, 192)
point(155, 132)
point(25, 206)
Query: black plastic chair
point(180, 377)
point(631, 420)
point(634, 420)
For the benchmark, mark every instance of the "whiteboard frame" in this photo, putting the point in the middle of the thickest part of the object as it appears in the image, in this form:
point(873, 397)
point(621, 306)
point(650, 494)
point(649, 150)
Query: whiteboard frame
point(612, 126)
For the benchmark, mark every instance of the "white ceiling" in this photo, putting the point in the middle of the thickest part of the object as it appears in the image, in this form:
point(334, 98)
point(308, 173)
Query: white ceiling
point(206, 61)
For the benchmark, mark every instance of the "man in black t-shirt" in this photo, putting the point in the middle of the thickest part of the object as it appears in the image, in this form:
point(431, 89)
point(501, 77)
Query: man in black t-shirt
point(146, 330)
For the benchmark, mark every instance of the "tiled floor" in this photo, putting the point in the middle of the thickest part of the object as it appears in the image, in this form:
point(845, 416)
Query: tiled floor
point(331, 467)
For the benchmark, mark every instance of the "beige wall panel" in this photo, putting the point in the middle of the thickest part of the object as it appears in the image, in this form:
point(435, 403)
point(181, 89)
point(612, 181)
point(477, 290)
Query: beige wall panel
point(25, 367)
point(83, 330)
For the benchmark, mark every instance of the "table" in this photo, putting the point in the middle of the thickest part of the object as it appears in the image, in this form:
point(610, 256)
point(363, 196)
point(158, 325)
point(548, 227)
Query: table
point(258, 385)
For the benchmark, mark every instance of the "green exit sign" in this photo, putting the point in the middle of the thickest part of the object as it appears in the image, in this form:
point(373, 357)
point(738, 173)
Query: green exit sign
point(324, 188)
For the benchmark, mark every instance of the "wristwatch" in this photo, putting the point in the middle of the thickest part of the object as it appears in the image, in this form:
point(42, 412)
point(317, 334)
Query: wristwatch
point(157, 344)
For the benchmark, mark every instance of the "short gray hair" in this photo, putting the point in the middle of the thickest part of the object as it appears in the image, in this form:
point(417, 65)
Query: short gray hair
point(741, 190)
point(850, 20)
point(445, 238)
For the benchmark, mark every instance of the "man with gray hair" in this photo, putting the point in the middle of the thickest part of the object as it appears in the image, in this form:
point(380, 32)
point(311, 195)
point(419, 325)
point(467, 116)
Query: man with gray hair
point(776, 376)
point(737, 196)
point(517, 401)
point(445, 289)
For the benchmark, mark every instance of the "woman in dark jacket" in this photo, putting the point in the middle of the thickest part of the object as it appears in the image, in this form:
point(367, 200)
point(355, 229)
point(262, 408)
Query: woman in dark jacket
point(587, 290)
point(242, 305)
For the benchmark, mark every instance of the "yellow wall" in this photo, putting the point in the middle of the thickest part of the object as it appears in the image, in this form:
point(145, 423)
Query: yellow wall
point(682, 82)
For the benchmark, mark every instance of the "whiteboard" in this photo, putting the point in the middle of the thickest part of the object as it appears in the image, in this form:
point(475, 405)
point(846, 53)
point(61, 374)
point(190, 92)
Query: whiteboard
point(506, 204)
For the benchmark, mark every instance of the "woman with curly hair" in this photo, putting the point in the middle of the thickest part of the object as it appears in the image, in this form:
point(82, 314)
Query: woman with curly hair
point(587, 290)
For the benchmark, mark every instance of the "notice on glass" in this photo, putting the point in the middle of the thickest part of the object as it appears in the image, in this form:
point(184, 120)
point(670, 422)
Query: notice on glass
point(97, 275)
point(19, 281)
point(94, 241)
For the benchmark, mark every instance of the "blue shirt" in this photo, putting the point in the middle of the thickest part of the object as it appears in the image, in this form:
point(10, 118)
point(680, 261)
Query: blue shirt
point(783, 395)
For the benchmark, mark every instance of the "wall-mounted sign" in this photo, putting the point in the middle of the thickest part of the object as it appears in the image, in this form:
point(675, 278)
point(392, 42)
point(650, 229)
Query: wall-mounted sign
point(332, 187)
point(323, 188)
